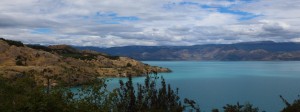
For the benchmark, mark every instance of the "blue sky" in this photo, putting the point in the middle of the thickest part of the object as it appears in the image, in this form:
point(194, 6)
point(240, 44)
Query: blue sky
point(42, 31)
point(225, 9)
point(112, 23)
point(112, 18)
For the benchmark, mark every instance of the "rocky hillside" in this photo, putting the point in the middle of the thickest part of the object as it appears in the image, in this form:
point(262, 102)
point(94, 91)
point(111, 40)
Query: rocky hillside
point(64, 64)
point(247, 51)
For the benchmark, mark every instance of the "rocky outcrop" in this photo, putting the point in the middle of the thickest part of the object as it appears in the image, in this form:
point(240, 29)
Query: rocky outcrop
point(66, 65)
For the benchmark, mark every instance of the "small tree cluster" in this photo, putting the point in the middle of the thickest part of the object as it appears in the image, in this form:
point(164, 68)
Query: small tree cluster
point(294, 107)
point(23, 94)
point(147, 97)
point(12, 42)
point(21, 61)
point(240, 108)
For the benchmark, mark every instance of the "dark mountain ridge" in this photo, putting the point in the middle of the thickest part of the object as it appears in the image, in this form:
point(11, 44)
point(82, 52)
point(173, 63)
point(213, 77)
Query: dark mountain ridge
point(246, 51)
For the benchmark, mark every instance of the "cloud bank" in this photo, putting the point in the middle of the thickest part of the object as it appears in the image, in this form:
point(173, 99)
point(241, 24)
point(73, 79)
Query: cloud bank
point(108, 23)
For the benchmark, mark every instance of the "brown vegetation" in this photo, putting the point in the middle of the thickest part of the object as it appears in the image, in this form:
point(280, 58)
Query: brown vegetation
point(66, 64)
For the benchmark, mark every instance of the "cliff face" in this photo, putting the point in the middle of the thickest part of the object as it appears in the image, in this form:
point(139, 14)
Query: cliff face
point(64, 64)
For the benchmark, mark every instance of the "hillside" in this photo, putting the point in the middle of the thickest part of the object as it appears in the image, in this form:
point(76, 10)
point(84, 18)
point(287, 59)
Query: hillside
point(65, 64)
point(247, 51)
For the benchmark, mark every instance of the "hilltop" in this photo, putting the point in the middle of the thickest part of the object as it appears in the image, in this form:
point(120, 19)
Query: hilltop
point(65, 64)
point(246, 51)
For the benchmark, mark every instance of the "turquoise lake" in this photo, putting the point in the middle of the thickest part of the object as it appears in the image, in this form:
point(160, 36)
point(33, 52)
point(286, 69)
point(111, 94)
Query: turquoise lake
point(214, 84)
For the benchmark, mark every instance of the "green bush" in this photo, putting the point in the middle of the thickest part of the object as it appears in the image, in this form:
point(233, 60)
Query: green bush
point(294, 107)
point(240, 108)
point(23, 94)
point(129, 65)
point(39, 47)
point(21, 61)
point(15, 43)
point(79, 56)
point(113, 57)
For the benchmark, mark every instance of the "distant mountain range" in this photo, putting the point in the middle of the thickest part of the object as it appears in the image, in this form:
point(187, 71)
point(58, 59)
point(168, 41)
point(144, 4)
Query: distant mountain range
point(246, 51)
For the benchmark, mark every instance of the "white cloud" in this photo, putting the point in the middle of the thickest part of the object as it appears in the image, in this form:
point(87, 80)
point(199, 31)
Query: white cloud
point(109, 23)
point(217, 19)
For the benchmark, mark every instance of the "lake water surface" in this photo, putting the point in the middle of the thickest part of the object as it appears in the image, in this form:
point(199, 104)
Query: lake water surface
point(215, 84)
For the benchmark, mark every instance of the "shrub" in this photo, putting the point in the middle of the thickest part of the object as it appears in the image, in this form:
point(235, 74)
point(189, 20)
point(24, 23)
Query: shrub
point(23, 94)
point(79, 56)
point(39, 47)
point(11, 42)
point(294, 107)
point(113, 57)
point(129, 65)
point(247, 107)
point(21, 61)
